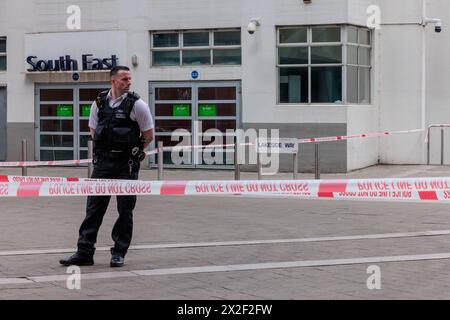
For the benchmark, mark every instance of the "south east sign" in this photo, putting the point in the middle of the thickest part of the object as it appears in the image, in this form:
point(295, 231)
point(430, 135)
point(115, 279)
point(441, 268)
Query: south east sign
point(66, 63)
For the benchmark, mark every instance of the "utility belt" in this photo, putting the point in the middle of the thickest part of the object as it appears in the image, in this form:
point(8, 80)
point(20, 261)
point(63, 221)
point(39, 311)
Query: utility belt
point(135, 154)
point(112, 155)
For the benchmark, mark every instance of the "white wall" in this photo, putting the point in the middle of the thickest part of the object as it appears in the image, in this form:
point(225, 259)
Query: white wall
point(438, 76)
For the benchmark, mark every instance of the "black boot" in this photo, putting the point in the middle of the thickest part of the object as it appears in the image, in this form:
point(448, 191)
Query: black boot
point(117, 261)
point(77, 260)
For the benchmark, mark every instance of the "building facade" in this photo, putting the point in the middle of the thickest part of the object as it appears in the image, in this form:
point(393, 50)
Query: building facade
point(308, 70)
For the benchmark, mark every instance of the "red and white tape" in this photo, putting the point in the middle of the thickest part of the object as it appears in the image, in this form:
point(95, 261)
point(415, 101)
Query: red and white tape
point(357, 136)
point(408, 189)
point(84, 161)
point(211, 146)
point(44, 163)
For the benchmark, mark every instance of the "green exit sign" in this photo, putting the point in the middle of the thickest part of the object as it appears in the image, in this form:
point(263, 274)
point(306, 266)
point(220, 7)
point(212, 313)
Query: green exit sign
point(64, 110)
point(85, 110)
point(207, 110)
point(181, 110)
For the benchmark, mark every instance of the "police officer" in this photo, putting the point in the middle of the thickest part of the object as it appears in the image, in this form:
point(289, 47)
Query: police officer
point(121, 126)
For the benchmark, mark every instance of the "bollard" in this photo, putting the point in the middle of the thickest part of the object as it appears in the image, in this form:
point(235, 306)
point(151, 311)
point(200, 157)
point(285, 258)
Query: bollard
point(295, 166)
point(442, 146)
point(428, 146)
point(160, 160)
point(316, 162)
point(258, 162)
point(24, 157)
point(237, 166)
point(90, 156)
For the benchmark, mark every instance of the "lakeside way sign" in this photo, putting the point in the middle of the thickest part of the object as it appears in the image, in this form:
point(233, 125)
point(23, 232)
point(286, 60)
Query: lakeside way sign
point(282, 145)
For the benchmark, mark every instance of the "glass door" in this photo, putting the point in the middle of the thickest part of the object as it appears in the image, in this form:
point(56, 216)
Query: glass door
point(62, 116)
point(193, 114)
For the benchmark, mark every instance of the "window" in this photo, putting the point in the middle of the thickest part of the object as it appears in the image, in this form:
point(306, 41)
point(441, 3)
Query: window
point(358, 65)
point(190, 48)
point(2, 54)
point(312, 61)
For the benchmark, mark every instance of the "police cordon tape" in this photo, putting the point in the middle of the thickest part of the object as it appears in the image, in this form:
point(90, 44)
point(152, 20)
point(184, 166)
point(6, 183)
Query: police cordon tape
point(86, 161)
point(429, 190)
point(212, 146)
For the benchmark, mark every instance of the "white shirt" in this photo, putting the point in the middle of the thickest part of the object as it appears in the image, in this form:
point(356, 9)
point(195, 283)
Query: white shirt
point(140, 113)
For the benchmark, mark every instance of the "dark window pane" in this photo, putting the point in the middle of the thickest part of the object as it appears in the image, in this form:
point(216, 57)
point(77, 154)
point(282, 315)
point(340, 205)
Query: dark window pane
point(352, 55)
point(167, 140)
point(326, 54)
point(217, 93)
point(297, 55)
point(293, 35)
point(196, 57)
point(227, 38)
point(364, 85)
point(352, 84)
point(293, 85)
point(231, 56)
point(3, 45)
point(192, 39)
point(326, 34)
point(352, 34)
point(52, 155)
point(56, 94)
point(364, 36)
point(3, 63)
point(173, 94)
point(172, 125)
point(84, 126)
point(173, 110)
point(56, 141)
point(364, 56)
point(221, 125)
point(84, 141)
point(165, 40)
point(166, 58)
point(83, 154)
point(90, 94)
point(326, 84)
point(57, 125)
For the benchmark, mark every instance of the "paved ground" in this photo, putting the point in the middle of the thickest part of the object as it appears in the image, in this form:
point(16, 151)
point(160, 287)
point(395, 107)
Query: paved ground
point(182, 250)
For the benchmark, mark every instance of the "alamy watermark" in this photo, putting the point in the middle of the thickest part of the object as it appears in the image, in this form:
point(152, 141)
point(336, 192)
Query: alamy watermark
point(217, 148)
point(73, 22)
point(374, 19)
point(73, 281)
point(374, 280)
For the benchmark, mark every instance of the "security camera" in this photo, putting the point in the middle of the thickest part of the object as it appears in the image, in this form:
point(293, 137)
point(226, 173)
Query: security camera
point(254, 23)
point(438, 27)
point(437, 23)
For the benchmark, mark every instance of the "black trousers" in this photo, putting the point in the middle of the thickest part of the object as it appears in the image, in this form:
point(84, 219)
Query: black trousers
point(96, 207)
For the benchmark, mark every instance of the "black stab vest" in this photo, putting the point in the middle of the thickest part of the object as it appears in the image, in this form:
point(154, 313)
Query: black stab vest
point(116, 132)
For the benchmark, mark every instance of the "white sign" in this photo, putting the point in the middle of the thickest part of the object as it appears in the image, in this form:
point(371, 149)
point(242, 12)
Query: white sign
point(94, 47)
point(282, 145)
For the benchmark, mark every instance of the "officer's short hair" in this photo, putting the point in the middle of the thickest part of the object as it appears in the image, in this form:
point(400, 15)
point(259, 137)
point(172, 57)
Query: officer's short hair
point(116, 70)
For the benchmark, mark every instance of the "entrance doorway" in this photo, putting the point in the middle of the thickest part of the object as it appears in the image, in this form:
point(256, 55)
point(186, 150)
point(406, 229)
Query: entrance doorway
point(62, 117)
point(185, 113)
